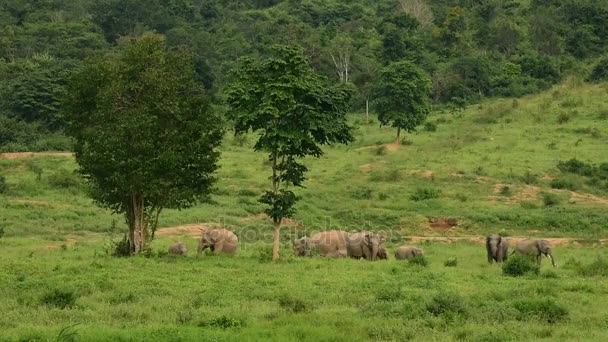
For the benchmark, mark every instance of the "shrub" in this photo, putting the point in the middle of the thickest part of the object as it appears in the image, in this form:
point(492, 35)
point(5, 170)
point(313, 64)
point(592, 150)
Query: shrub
point(389, 294)
point(550, 199)
point(240, 140)
point(430, 126)
point(3, 185)
point(120, 248)
point(247, 193)
point(576, 166)
point(123, 297)
point(448, 304)
point(380, 150)
point(419, 260)
point(1, 232)
point(222, 322)
point(545, 309)
point(293, 304)
point(64, 179)
point(506, 191)
point(600, 70)
point(599, 267)
point(59, 298)
point(406, 142)
point(362, 193)
point(68, 334)
point(562, 118)
point(519, 265)
point(451, 262)
point(422, 194)
point(563, 183)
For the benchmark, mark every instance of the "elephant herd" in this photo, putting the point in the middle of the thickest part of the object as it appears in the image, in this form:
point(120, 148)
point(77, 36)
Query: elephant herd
point(361, 245)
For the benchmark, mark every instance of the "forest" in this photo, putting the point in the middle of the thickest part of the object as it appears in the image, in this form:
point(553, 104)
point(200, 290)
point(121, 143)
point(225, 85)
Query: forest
point(471, 49)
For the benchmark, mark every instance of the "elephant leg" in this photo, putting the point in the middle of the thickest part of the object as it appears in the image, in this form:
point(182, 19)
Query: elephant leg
point(218, 247)
point(538, 259)
point(552, 260)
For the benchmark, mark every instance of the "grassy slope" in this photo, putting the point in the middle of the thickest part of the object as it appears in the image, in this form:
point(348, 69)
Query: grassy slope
point(362, 186)
point(49, 245)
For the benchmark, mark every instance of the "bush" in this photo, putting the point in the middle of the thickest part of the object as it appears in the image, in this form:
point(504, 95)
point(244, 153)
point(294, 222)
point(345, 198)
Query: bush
point(422, 194)
point(430, 126)
point(418, 260)
point(529, 178)
point(451, 262)
point(506, 191)
point(247, 193)
point(3, 185)
point(563, 183)
point(120, 248)
point(293, 304)
point(64, 179)
point(542, 309)
point(362, 193)
point(447, 304)
point(550, 199)
point(389, 294)
point(563, 118)
point(59, 298)
point(1, 232)
point(600, 70)
point(222, 322)
point(519, 265)
point(380, 150)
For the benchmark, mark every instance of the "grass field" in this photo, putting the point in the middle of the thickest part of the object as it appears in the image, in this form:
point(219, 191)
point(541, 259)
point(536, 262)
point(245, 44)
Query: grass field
point(491, 168)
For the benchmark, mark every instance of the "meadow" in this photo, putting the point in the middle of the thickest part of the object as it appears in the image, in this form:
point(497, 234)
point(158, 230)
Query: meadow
point(492, 167)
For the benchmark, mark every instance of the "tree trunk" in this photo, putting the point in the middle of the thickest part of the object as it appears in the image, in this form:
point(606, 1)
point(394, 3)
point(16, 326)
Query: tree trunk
point(275, 243)
point(367, 110)
point(398, 135)
point(137, 226)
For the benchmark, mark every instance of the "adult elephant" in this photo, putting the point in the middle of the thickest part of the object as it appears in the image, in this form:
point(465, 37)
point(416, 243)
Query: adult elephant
point(329, 243)
point(219, 241)
point(408, 252)
point(535, 248)
point(364, 245)
point(497, 248)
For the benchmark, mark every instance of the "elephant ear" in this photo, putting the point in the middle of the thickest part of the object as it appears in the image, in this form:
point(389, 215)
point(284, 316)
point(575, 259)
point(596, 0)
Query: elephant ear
point(366, 239)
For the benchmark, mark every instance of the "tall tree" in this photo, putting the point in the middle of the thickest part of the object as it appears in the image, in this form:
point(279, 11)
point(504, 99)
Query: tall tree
point(144, 136)
point(295, 111)
point(402, 96)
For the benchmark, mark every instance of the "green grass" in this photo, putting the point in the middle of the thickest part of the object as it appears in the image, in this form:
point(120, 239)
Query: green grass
point(242, 298)
point(492, 168)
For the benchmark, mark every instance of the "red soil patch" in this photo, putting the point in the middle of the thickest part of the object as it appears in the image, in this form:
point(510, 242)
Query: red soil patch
point(21, 155)
point(389, 147)
point(191, 230)
point(443, 224)
point(423, 173)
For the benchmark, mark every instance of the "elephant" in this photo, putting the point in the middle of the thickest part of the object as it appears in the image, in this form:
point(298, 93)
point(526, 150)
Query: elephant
point(408, 252)
point(219, 241)
point(382, 253)
point(497, 247)
point(330, 244)
point(178, 248)
point(535, 248)
point(364, 245)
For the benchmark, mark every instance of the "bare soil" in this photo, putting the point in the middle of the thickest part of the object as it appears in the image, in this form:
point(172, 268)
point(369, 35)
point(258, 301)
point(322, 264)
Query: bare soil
point(22, 155)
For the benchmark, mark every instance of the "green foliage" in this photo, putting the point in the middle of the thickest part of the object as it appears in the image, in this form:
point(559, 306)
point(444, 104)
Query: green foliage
point(422, 194)
point(600, 70)
point(223, 322)
point(3, 185)
point(550, 199)
point(120, 248)
point(447, 304)
point(68, 333)
point(519, 265)
point(1, 232)
point(294, 305)
point(506, 191)
point(451, 262)
point(145, 139)
point(430, 126)
point(418, 260)
point(62, 299)
point(529, 178)
point(64, 179)
point(564, 183)
point(599, 267)
point(545, 309)
point(401, 96)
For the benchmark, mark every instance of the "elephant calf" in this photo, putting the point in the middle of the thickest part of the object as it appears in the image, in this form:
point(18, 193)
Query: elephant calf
point(407, 252)
point(219, 241)
point(178, 248)
point(497, 247)
point(535, 248)
point(366, 245)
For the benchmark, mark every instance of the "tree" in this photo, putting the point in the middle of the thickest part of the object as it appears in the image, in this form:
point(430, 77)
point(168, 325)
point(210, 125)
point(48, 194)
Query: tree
point(402, 96)
point(144, 137)
point(295, 111)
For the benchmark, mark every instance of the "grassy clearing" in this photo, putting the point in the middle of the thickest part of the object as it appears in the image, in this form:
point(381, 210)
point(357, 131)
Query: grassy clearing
point(491, 168)
point(246, 297)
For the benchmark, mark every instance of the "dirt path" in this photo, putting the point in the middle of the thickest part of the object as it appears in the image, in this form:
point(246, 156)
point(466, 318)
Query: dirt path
point(22, 155)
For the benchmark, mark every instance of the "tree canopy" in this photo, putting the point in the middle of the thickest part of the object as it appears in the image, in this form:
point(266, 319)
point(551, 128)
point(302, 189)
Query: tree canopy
point(144, 136)
point(295, 111)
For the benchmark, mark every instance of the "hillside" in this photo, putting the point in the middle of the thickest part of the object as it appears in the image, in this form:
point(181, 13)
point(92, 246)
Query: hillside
point(492, 167)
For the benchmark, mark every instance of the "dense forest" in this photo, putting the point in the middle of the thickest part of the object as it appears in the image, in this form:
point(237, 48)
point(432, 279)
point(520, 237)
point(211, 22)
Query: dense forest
point(471, 48)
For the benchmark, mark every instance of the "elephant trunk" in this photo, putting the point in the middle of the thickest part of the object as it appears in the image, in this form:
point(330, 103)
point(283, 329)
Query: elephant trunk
point(550, 255)
point(374, 251)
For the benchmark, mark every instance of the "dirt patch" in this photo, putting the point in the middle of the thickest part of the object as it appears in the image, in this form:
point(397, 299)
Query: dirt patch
point(286, 221)
point(547, 177)
point(22, 155)
point(389, 147)
point(518, 193)
point(423, 173)
point(191, 230)
point(53, 245)
point(25, 201)
point(588, 198)
point(443, 224)
point(371, 166)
